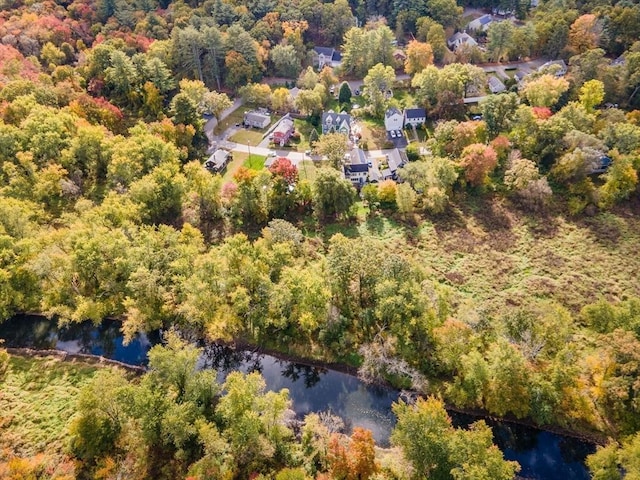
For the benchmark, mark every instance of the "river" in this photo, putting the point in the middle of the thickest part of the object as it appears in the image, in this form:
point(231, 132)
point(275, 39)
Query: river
point(542, 455)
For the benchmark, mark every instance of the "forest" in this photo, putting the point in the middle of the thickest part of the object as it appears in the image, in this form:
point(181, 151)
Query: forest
point(498, 273)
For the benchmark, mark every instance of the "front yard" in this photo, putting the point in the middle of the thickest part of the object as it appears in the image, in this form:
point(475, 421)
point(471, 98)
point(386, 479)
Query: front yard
point(247, 136)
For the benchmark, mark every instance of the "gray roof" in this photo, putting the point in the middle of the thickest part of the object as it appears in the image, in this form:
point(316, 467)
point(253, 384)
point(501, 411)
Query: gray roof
point(326, 51)
point(415, 113)
point(485, 19)
point(395, 159)
point(392, 111)
point(217, 160)
point(256, 116)
point(495, 84)
point(357, 156)
point(336, 120)
point(285, 125)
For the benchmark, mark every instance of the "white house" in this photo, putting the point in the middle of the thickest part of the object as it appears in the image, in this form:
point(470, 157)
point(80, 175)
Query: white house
point(461, 38)
point(481, 23)
point(326, 56)
point(555, 67)
point(415, 116)
point(257, 119)
point(393, 120)
point(356, 169)
point(495, 85)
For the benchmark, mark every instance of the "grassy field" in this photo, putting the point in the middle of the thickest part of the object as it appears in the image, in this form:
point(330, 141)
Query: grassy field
point(373, 134)
point(492, 253)
point(247, 136)
point(254, 162)
point(37, 399)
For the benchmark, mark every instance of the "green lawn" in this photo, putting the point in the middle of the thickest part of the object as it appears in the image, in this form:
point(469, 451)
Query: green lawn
point(248, 136)
point(254, 162)
point(307, 170)
point(37, 399)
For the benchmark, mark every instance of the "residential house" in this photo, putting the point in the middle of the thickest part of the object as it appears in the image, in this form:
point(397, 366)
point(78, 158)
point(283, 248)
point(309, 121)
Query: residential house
point(356, 168)
point(218, 161)
point(496, 85)
point(283, 131)
point(394, 160)
point(556, 67)
point(621, 60)
point(336, 122)
point(481, 23)
point(415, 116)
point(519, 77)
point(326, 56)
point(461, 38)
point(393, 119)
point(257, 119)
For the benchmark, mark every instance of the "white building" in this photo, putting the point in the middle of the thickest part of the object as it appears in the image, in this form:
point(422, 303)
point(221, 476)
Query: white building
point(415, 116)
point(461, 38)
point(393, 120)
point(481, 23)
point(326, 56)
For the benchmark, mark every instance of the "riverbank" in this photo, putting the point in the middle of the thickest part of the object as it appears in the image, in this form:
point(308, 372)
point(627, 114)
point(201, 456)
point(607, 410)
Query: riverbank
point(351, 370)
point(590, 437)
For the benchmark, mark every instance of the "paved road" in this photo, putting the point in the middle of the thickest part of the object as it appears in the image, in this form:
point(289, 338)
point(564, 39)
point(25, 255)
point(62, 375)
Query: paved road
point(211, 123)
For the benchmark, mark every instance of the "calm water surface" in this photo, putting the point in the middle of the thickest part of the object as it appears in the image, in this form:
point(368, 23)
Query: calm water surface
point(542, 455)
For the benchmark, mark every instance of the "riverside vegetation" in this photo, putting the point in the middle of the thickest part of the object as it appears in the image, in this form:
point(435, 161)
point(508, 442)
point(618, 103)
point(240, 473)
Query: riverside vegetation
point(499, 275)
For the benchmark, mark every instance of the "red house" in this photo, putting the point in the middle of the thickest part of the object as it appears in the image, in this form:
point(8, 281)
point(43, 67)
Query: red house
point(282, 133)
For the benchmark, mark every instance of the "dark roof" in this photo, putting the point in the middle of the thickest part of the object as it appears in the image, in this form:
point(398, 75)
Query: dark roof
point(356, 168)
point(485, 19)
point(326, 51)
point(336, 57)
point(415, 113)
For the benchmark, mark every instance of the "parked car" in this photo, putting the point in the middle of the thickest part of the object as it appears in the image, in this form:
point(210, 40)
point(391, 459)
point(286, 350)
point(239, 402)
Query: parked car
point(271, 153)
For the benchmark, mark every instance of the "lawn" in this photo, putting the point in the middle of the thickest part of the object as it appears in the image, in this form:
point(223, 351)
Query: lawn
point(307, 170)
point(237, 162)
point(373, 134)
point(37, 399)
point(247, 136)
point(254, 162)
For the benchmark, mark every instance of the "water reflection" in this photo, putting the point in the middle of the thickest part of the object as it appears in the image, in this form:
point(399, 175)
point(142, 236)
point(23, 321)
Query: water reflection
point(542, 455)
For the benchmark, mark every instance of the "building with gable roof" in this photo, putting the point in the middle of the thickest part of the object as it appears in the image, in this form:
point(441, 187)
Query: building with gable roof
point(333, 122)
point(481, 23)
point(393, 119)
point(415, 116)
point(461, 38)
point(326, 56)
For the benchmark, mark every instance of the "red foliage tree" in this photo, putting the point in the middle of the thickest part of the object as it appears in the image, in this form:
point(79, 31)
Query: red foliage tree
point(284, 169)
point(478, 161)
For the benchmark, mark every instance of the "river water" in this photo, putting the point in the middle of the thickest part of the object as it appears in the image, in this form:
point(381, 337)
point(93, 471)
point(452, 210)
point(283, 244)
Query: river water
point(542, 455)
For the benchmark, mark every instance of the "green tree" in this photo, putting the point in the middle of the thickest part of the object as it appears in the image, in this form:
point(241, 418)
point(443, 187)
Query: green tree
point(498, 112)
point(422, 432)
point(333, 146)
point(332, 194)
point(591, 94)
point(500, 40)
point(344, 94)
point(378, 81)
point(285, 61)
